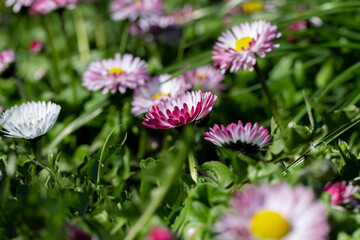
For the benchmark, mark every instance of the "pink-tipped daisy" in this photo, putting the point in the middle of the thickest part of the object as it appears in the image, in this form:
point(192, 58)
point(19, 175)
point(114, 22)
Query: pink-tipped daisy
point(239, 46)
point(274, 212)
point(119, 73)
point(7, 57)
point(341, 193)
point(155, 91)
point(207, 78)
point(184, 109)
point(247, 139)
point(18, 4)
point(133, 9)
point(43, 7)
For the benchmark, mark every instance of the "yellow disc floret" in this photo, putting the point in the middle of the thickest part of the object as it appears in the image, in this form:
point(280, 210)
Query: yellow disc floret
point(269, 225)
point(243, 43)
point(201, 75)
point(116, 70)
point(159, 95)
point(252, 6)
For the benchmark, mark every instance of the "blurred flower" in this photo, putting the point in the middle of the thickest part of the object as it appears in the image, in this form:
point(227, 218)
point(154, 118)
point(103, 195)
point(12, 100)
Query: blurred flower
point(36, 46)
point(183, 16)
point(7, 57)
point(274, 212)
point(246, 138)
point(316, 21)
point(74, 233)
point(39, 73)
point(133, 9)
point(156, 91)
point(119, 73)
point(247, 7)
point(341, 193)
point(159, 233)
point(151, 24)
point(18, 4)
point(185, 108)
point(239, 46)
point(47, 6)
point(206, 77)
point(297, 26)
point(29, 120)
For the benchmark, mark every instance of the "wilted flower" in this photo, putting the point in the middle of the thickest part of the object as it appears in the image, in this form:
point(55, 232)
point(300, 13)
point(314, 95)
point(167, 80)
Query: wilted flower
point(237, 47)
point(248, 138)
point(133, 9)
point(207, 77)
point(185, 108)
point(119, 73)
point(29, 120)
point(341, 193)
point(18, 4)
point(36, 46)
point(159, 233)
point(155, 91)
point(7, 57)
point(46, 6)
point(274, 212)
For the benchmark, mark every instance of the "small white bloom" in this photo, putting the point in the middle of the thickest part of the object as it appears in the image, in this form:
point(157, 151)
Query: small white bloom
point(29, 120)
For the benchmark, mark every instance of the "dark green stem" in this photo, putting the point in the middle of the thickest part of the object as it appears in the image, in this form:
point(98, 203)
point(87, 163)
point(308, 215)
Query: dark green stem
point(21, 87)
point(269, 97)
point(124, 37)
point(192, 166)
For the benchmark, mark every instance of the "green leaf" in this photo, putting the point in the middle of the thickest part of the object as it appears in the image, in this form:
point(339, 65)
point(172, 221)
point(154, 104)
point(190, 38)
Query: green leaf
point(222, 172)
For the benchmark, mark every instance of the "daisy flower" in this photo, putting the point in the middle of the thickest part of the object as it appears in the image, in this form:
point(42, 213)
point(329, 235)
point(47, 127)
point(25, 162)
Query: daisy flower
point(159, 233)
point(46, 6)
point(29, 120)
point(274, 212)
point(184, 109)
point(152, 24)
point(341, 193)
point(206, 77)
point(239, 46)
point(7, 57)
point(133, 9)
point(119, 73)
point(18, 4)
point(36, 46)
point(156, 91)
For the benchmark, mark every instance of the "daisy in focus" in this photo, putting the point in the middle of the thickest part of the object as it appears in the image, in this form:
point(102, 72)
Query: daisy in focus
point(341, 193)
point(239, 46)
point(29, 120)
point(18, 4)
point(207, 78)
point(246, 139)
point(184, 109)
point(119, 73)
point(133, 9)
point(7, 57)
point(156, 91)
point(43, 7)
point(274, 212)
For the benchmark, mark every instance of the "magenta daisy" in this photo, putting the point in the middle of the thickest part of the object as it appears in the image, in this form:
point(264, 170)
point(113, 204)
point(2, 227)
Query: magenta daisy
point(119, 73)
point(237, 47)
point(156, 91)
point(341, 193)
point(7, 57)
point(18, 4)
point(133, 9)
point(46, 6)
point(274, 212)
point(247, 139)
point(186, 108)
point(206, 78)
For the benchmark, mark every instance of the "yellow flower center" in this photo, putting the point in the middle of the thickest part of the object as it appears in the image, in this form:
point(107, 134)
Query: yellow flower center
point(252, 6)
point(243, 43)
point(158, 95)
point(116, 70)
point(201, 75)
point(269, 225)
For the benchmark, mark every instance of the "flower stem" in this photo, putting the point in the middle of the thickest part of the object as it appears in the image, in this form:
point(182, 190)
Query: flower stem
point(124, 37)
point(24, 95)
point(83, 41)
point(269, 97)
point(35, 145)
point(192, 166)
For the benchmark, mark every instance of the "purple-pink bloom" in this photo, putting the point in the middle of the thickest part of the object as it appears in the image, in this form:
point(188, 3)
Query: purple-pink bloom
point(152, 24)
point(46, 6)
point(18, 4)
point(341, 193)
point(133, 9)
point(185, 108)
point(36, 46)
point(119, 73)
point(7, 57)
point(207, 78)
point(159, 233)
point(274, 212)
point(155, 91)
point(239, 46)
point(248, 138)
